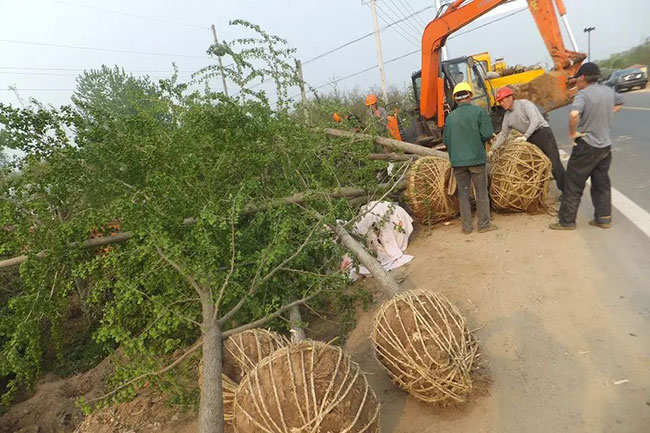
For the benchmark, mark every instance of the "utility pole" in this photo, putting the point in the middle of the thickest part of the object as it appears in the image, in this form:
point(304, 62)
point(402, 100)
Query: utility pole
point(445, 54)
point(223, 76)
point(588, 31)
point(301, 84)
point(380, 59)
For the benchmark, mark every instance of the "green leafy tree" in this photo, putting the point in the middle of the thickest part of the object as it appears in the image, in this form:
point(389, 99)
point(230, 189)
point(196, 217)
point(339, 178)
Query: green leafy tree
point(192, 177)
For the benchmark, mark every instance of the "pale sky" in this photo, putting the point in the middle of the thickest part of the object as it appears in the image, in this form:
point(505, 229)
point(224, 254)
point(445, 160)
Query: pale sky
point(178, 31)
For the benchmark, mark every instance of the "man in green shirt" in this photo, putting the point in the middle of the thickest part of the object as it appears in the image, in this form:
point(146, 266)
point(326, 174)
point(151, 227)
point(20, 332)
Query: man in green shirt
point(467, 129)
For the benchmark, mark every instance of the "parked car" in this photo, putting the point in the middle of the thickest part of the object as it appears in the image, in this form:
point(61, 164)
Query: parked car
point(627, 79)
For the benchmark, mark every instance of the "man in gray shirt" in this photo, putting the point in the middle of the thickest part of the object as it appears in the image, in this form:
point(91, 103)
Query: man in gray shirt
point(590, 120)
point(524, 116)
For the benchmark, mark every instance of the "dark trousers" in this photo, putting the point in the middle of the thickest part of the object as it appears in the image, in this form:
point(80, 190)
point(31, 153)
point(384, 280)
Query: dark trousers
point(545, 140)
point(476, 175)
point(585, 162)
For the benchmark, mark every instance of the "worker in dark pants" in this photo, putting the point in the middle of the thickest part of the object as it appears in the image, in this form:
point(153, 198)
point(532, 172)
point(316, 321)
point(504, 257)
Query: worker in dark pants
point(467, 129)
point(522, 115)
point(590, 121)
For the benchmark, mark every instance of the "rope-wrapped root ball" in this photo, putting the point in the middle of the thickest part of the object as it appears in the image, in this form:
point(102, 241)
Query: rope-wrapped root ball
point(242, 351)
point(520, 177)
point(422, 341)
point(427, 190)
point(306, 387)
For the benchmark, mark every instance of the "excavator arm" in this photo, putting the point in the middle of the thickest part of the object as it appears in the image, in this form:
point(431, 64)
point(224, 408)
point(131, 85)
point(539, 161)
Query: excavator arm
point(460, 13)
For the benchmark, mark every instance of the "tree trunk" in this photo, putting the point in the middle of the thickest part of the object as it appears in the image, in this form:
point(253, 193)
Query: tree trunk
point(389, 142)
point(297, 331)
point(387, 282)
point(211, 405)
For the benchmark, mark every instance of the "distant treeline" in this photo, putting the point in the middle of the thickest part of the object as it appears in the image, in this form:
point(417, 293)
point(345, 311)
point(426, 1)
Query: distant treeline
point(637, 55)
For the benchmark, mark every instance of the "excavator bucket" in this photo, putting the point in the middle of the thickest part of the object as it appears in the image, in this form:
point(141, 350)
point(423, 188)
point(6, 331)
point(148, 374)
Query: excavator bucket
point(550, 90)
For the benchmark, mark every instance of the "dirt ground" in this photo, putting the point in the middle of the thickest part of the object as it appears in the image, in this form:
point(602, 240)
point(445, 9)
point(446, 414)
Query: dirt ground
point(555, 338)
point(559, 331)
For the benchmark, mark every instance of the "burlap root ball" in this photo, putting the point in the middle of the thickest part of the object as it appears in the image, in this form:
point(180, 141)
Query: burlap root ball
point(520, 177)
point(242, 351)
point(306, 387)
point(422, 341)
point(426, 190)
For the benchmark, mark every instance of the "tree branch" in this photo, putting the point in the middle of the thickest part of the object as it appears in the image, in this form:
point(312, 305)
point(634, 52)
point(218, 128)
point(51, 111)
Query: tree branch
point(271, 316)
point(196, 346)
point(232, 265)
point(200, 290)
point(268, 276)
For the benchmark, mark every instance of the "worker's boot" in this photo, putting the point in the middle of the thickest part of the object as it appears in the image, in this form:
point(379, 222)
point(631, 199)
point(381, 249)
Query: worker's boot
point(601, 225)
point(558, 226)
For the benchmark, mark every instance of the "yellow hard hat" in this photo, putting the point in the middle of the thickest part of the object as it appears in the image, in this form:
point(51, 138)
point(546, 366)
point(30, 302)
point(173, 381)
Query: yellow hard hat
point(462, 87)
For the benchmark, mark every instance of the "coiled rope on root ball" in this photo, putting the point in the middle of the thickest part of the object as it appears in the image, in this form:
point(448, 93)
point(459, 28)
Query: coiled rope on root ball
point(520, 177)
point(306, 387)
point(423, 343)
point(426, 190)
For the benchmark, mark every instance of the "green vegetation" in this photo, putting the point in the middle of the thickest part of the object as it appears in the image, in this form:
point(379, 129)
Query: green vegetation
point(637, 55)
point(133, 155)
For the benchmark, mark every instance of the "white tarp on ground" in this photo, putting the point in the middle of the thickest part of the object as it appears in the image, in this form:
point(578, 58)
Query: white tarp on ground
point(386, 227)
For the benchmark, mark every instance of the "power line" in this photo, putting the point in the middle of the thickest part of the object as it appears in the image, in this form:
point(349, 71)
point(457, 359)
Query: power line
point(38, 90)
point(48, 74)
point(407, 37)
point(142, 17)
point(29, 68)
point(329, 83)
point(340, 47)
point(399, 13)
point(409, 8)
point(77, 47)
point(488, 23)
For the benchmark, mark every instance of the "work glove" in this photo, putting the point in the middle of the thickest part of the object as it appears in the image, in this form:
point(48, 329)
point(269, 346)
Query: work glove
point(520, 139)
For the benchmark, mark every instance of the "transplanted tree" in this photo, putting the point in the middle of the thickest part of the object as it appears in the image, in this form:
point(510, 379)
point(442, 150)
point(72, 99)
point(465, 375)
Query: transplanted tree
point(147, 156)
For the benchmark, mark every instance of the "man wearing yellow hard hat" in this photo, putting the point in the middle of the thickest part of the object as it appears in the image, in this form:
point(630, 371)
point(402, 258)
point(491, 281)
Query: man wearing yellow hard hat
point(467, 129)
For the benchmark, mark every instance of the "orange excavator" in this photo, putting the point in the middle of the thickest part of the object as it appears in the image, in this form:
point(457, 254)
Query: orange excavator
point(434, 83)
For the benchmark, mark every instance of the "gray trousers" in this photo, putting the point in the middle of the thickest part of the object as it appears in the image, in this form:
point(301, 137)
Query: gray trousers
point(476, 175)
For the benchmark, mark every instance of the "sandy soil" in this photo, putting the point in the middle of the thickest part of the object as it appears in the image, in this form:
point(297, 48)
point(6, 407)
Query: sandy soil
point(560, 324)
point(550, 326)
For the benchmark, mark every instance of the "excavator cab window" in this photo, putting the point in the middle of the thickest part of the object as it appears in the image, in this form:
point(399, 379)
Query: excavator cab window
point(465, 69)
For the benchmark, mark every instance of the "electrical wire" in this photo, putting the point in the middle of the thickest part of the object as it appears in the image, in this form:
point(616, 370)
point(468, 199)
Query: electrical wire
point(142, 17)
point(400, 14)
point(407, 37)
point(78, 47)
point(29, 68)
point(329, 83)
point(410, 9)
point(347, 44)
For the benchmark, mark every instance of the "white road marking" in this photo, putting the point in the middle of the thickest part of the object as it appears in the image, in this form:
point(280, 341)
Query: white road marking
point(632, 211)
point(625, 107)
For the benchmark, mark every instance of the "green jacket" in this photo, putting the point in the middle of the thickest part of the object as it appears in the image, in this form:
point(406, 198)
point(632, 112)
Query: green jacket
point(467, 128)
